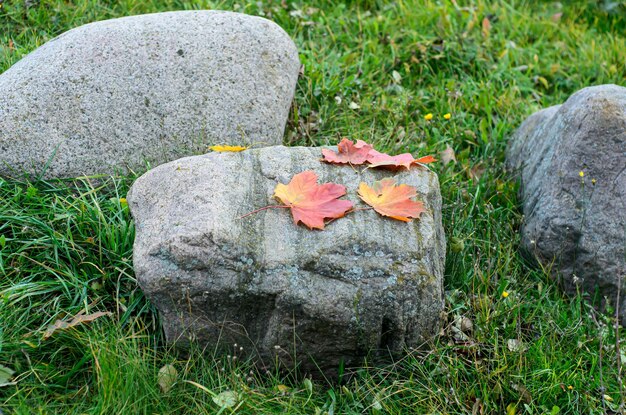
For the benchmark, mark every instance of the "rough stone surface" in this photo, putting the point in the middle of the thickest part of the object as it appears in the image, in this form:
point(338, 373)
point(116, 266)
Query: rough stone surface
point(114, 94)
point(577, 221)
point(364, 283)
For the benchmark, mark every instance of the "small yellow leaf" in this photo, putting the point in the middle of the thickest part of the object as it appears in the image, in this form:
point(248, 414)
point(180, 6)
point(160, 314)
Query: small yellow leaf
point(511, 409)
point(283, 389)
point(543, 81)
point(227, 149)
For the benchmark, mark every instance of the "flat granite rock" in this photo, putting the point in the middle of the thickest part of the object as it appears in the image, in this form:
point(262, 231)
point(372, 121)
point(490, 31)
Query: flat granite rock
point(114, 95)
point(309, 298)
point(576, 225)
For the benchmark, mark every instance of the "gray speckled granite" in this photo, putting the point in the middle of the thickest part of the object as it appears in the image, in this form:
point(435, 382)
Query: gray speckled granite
point(365, 283)
point(115, 94)
point(576, 226)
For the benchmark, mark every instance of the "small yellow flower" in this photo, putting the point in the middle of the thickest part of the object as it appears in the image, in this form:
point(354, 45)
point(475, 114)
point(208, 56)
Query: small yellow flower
point(447, 116)
point(123, 202)
point(581, 173)
point(570, 387)
point(593, 181)
point(428, 116)
point(505, 294)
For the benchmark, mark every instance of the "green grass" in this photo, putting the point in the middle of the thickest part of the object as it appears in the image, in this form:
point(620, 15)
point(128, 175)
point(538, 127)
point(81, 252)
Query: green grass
point(66, 246)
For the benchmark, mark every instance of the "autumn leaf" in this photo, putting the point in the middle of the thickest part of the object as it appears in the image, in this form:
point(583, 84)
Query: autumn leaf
point(226, 399)
point(167, 377)
point(425, 160)
point(361, 152)
point(377, 159)
point(476, 172)
point(78, 319)
point(447, 155)
point(310, 202)
point(486, 27)
point(6, 374)
point(348, 152)
point(227, 149)
point(390, 200)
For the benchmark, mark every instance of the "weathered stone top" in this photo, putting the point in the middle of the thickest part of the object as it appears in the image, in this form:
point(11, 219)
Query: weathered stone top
point(243, 182)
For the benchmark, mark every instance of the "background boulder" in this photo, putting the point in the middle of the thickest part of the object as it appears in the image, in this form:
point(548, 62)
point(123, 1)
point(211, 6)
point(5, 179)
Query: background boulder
point(571, 160)
point(115, 94)
point(315, 298)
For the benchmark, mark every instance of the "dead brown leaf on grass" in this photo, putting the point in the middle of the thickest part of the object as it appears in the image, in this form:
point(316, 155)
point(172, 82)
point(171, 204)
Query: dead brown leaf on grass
point(78, 319)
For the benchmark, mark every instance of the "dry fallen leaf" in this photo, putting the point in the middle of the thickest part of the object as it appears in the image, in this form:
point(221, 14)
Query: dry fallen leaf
point(390, 200)
point(78, 319)
point(448, 155)
point(310, 202)
point(226, 399)
point(377, 159)
point(167, 377)
point(477, 408)
point(476, 172)
point(515, 345)
point(361, 152)
point(348, 152)
point(6, 375)
point(227, 149)
point(523, 392)
point(486, 27)
point(406, 160)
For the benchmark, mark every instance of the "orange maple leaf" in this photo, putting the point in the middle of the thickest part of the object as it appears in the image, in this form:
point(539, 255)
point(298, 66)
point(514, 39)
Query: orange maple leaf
point(390, 200)
point(310, 202)
point(348, 152)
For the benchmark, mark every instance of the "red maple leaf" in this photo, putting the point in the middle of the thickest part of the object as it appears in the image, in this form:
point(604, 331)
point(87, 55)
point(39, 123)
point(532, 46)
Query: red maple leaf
point(377, 159)
point(310, 202)
point(348, 152)
point(390, 200)
point(361, 152)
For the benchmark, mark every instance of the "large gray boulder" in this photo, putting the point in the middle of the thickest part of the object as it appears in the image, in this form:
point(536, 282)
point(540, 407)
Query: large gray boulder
point(312, 298)
point(112, 95)
point(577, 225)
